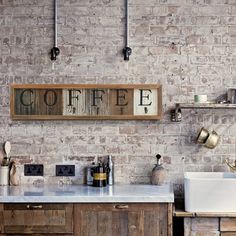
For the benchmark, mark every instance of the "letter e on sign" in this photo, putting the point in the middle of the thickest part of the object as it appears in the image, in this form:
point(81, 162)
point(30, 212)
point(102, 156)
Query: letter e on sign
point(145, 101)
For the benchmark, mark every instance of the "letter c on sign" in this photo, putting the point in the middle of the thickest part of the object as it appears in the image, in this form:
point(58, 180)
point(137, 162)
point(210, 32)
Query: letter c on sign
point(22, 101)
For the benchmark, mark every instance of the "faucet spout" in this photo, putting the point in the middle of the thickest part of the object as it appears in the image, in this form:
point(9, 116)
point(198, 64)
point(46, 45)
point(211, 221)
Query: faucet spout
point(232, 167)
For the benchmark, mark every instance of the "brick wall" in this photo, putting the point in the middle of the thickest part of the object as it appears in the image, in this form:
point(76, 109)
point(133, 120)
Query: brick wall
point(189, 46)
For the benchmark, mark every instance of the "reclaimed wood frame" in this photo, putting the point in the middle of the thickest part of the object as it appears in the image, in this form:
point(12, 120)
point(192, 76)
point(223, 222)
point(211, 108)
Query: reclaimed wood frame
point(157, 116)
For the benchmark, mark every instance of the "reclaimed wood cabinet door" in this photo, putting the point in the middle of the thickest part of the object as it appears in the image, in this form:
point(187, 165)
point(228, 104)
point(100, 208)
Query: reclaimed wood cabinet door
point(123, 219)
point(37, 219)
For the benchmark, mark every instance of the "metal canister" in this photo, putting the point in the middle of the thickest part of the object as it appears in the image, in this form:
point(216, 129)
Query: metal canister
point(89, 174)
point(231, 95)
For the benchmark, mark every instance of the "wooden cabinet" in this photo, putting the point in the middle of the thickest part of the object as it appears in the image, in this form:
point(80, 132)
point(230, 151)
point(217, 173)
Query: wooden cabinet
point(37, 219)
point(210, 224)
point(134, 219)
point(123, 219)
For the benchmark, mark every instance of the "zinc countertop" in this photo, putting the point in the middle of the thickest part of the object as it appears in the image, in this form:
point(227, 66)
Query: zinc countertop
point(86, 194)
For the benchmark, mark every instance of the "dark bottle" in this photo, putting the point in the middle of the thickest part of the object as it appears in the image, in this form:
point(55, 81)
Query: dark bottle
point(99, 176)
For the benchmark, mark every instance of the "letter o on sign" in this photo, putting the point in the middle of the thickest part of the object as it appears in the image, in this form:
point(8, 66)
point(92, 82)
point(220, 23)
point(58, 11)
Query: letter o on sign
point(50, 94)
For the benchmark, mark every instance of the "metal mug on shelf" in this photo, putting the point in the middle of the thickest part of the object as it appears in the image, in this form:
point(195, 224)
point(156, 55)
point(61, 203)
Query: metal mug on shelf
point(202, 135)
point(208, 139)
point(212, 140)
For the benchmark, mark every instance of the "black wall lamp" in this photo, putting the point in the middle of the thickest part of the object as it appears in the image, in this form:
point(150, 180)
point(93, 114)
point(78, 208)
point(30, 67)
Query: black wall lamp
point(127, 50)
point(55, 51)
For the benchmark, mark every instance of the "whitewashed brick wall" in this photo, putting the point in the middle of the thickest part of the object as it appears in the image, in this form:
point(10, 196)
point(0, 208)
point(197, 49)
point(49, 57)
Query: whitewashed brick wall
point(189, 46)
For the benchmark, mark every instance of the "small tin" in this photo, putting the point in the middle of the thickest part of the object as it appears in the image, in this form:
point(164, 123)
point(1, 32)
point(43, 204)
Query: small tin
point(176, 115)
point(89, 174)
point(231, 95)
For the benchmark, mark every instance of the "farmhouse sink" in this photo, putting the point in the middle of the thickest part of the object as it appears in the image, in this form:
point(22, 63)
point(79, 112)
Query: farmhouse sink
point(210, 191)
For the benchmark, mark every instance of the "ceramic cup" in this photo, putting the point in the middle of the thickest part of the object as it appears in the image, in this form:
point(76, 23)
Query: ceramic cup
point(200, 98)
point(4, 175)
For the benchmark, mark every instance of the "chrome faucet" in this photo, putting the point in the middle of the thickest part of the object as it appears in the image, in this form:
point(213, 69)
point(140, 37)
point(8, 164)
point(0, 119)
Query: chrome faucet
point(232, 167)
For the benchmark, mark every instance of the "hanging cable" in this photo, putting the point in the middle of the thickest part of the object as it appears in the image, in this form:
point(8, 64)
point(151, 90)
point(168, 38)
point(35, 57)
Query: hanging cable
point(55, 51)
point(127, 50)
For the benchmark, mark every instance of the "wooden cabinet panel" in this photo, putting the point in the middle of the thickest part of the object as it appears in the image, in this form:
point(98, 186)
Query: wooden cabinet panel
point(227, 224)
point(1, 218)
point(121, 101)
point(38, 102)
point(35, 234)
point(122, 220)
point(37, 218)
point(144, 102)
point(228, 234)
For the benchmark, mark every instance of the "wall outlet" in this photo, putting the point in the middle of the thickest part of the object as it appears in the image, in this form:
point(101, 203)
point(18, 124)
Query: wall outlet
point(33, 170)
point(65, 170)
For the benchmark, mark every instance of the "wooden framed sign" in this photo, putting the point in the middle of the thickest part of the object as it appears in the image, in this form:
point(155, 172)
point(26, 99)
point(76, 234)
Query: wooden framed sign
point(90, 101)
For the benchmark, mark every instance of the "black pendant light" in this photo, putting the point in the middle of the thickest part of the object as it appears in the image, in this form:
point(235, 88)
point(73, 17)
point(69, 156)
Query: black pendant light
point(127, 50)
point(55, 51)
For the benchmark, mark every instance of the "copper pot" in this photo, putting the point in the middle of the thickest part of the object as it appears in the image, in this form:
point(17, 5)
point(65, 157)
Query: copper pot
point(212, 140)
point(202, 135)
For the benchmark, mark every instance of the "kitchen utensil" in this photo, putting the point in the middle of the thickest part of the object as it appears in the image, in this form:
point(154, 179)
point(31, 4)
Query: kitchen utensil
point(212, 140)
point(158, 172)
point(202, 135)
point(5, 161)
point(7, 148)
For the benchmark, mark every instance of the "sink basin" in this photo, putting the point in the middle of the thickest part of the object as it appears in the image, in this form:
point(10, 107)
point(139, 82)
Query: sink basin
point(210, 191)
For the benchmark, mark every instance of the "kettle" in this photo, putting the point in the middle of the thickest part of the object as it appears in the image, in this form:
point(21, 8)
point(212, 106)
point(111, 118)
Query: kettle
point(158, 172)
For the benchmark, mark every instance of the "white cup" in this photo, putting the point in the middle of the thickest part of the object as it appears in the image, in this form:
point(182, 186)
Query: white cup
point(200, 98)
point(4, 175)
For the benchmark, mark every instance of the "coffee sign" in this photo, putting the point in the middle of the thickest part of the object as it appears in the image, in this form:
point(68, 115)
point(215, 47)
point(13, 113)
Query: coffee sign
point(45, 102)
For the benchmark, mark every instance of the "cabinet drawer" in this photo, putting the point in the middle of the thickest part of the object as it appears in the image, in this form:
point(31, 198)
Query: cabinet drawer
point(37, 218)
point(227, 224)
point(228, 234)
point(35, 234)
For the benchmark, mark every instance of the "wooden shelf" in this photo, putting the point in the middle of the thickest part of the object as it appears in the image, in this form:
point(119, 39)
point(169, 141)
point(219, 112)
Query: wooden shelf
point(182, 213)
point(205, 106)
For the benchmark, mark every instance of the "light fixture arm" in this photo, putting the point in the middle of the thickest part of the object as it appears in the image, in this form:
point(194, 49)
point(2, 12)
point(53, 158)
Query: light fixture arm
point(55, 51)
point(127, 50)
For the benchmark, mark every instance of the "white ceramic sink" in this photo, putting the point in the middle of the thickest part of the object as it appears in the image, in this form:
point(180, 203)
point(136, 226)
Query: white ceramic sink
point(210, 191)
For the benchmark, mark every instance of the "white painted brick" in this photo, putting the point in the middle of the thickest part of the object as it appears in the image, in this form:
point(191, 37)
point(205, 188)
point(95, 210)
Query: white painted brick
point(186, 45)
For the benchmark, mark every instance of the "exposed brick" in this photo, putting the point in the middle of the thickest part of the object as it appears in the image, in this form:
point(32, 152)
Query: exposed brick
point(186, 45)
